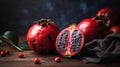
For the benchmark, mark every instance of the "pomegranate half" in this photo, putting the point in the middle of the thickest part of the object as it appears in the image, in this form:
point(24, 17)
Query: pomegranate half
point(41, 36)
point(70, 41)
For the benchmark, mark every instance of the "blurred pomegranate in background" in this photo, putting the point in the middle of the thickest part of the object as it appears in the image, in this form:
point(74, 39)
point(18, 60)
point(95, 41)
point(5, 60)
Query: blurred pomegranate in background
point(41, 36)
point(108, 16)
point(115, 29)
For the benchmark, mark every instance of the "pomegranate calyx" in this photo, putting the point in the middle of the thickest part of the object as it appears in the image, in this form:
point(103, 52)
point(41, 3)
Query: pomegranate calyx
point(44, 22)
point(103, 19)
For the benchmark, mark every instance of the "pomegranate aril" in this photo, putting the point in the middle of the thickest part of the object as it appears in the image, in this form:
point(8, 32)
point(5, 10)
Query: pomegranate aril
point(57, 59)
point(2, 54)
point(63, 40)
point(62, 48)
point(76, 40)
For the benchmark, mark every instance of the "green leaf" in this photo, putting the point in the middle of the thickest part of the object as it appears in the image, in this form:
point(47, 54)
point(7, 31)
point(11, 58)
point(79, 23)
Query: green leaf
point(9, 42)
point(23, 45)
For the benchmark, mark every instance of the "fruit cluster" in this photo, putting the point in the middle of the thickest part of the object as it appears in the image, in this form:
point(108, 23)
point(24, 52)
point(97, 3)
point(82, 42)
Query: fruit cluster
point(45, 36)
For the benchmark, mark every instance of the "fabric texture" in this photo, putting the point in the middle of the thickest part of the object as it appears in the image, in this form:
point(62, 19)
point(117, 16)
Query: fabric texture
point(103, 50)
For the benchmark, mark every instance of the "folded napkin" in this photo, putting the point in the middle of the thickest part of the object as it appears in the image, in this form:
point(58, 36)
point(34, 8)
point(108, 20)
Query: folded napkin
point(103, 50)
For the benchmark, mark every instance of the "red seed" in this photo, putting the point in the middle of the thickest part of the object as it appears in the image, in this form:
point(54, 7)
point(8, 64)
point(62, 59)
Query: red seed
point(57, 59)
point(21, 55)
point(2, 53)
point(36, 61)
point(7, 52)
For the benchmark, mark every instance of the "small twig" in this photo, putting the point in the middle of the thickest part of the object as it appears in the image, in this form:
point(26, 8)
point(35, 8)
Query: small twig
point(7, 41)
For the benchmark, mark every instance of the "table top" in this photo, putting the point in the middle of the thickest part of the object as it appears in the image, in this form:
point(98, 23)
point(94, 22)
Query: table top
point(46, 60)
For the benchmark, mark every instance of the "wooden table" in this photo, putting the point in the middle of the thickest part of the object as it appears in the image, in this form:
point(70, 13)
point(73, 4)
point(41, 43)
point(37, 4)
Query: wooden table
point(12, 60)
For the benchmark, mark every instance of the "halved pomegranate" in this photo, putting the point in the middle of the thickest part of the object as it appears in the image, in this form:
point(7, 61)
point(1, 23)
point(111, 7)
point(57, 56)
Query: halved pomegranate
point(70, 41)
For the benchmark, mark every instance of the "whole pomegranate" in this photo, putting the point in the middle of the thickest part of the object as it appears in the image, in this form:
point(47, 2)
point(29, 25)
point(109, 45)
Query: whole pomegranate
point(108, 16)
point(91, 28)
point(70, 41)
point(41, 36)
point(115, 29)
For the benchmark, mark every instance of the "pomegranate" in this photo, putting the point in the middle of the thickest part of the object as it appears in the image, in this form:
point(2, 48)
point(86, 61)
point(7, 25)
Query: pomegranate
point(115, 29)
point(42, 35)
point(91, 28)
point(70, 41)
point(108, 15)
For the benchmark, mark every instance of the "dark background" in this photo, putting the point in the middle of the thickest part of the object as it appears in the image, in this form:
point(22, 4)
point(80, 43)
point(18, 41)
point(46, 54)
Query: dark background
point(19, 15)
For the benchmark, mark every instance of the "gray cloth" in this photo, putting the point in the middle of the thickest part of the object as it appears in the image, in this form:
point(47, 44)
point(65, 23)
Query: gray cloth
point(103, 50)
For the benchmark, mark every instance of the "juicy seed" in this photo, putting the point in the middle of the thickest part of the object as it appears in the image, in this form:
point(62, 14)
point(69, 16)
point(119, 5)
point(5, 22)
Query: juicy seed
point(76, 40)
point(63, 41)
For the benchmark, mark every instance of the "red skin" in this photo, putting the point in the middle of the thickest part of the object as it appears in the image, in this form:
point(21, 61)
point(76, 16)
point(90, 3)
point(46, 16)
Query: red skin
point(91, 29)
point(110, 14)
point(105, 12)
point(2, 54)
point(7, 52)
point(36, 61)
point(57, 59)
point(21, 55)
point(115, 29)
point(41, 38)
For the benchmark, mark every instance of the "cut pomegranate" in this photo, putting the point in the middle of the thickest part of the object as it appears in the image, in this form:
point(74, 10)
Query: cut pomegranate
point(70, 41)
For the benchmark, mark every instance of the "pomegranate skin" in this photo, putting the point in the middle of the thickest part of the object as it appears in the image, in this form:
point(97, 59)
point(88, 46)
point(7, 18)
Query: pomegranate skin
point(41, 36)
point(105, 12)
point(108, 14)
point(92, 29)
point(115, 29)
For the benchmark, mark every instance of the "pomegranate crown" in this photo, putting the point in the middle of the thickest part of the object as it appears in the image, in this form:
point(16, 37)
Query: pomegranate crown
point(44, 22)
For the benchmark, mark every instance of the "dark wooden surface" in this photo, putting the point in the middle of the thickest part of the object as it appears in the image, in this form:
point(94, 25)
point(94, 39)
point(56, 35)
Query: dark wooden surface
point(12, 60)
